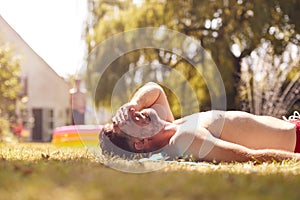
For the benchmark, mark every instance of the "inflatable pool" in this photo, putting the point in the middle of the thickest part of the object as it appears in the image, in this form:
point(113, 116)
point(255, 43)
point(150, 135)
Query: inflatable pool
point(76, 136)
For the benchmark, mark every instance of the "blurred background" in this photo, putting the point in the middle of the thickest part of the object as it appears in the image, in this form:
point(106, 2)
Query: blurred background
point(254, 45)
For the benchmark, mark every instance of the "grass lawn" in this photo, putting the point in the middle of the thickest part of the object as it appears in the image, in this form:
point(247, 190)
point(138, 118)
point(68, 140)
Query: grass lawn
point(42, 171)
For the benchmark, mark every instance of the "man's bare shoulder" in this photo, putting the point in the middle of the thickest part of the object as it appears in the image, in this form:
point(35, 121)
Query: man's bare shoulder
point(190, 134)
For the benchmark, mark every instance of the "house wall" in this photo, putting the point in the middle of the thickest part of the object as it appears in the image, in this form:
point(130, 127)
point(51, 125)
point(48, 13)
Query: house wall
point(46, 90)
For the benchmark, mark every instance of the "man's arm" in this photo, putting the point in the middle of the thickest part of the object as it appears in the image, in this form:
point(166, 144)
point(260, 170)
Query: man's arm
point(204, 146)
point(224, 151)
point(151, 95)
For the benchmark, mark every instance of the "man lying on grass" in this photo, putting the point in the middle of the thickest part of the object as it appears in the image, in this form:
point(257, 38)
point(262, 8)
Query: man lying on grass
point(146, 124)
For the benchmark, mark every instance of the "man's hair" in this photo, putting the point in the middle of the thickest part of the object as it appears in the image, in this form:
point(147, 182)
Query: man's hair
point(117, 143)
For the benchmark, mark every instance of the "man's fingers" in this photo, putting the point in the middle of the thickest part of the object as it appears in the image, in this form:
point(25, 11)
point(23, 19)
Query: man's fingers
point(123, 114)
point(172, 140)
point(114, 120)
point(124, 110)
point(120, 115)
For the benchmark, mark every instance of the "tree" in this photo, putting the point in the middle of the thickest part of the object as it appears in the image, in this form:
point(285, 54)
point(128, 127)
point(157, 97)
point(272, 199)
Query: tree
point(230, 30)
point(10, 72)
point(9, 82)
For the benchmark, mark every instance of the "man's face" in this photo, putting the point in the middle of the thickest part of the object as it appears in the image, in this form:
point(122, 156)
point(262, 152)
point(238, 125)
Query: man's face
point(143, 124)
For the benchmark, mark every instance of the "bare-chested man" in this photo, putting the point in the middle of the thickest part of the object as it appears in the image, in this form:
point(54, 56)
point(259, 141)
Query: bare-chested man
point(78, 104)
point(146, 124)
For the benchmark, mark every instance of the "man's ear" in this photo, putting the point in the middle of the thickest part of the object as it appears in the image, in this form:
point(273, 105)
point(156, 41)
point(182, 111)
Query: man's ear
point(140, 144)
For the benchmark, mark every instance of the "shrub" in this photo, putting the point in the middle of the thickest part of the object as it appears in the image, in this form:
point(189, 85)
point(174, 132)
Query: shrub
point(270, 83)
point(4, 129)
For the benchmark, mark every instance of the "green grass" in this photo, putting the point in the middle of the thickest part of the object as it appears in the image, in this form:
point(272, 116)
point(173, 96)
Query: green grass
point(42, 171)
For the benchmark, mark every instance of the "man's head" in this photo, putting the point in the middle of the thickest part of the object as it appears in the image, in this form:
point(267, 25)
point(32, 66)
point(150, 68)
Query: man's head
point(143, 124)
point(137, 135)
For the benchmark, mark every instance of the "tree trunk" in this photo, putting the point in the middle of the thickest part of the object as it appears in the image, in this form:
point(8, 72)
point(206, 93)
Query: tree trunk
point(229, 67)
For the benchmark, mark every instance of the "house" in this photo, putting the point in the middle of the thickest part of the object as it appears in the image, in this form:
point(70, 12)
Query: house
point(47, 106)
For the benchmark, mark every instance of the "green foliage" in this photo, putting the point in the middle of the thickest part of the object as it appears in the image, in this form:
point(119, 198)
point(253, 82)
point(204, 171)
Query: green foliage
point(229, 30)
point(4, 128)
point(10, 72)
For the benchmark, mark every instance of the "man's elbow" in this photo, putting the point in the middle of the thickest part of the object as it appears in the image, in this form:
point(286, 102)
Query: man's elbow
point(154, 86)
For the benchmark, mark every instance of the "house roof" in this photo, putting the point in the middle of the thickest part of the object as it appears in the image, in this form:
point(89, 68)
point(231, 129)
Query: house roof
point(45, 88)
point(7, 32)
